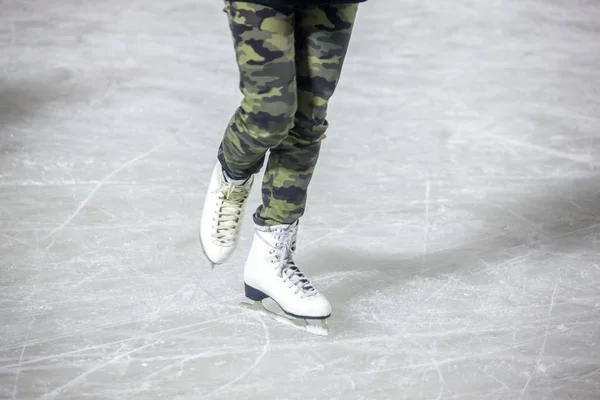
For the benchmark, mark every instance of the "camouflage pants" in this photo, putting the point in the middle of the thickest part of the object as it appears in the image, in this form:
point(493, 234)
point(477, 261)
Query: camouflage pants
point(290, 59)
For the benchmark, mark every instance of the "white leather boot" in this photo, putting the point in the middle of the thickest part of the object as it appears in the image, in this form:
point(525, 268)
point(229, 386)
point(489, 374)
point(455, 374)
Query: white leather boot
point(222, 215)
point(270, 271)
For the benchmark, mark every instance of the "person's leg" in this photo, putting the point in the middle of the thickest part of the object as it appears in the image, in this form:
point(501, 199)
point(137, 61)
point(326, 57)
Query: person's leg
point(264, 46)
point(322, 35)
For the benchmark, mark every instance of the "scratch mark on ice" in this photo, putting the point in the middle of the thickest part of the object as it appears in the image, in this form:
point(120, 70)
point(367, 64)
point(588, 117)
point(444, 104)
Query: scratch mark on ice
point(18, 373)
point(521, 217)
point(104, 345)
point(99, 185)
point(11, 44)
point(426, 236)
point(264, 352)
point(73, 381)
point(577, 158)
point(543, 346)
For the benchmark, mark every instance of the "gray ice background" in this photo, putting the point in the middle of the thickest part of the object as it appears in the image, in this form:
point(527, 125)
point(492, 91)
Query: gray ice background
point(454, 219)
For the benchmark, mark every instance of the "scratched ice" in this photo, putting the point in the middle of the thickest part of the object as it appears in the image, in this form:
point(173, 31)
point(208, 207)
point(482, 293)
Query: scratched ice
point(454, 219)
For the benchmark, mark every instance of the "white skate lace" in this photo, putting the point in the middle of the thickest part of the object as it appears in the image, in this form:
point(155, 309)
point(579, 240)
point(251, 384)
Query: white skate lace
point(231, 199)
point(287, 268)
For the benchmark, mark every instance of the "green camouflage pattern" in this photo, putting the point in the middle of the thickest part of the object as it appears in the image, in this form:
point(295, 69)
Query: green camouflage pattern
point(290, 59)
point(301, 2)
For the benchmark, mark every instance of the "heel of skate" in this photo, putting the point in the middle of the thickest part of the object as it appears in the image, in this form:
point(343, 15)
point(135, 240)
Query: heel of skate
point(254, 294)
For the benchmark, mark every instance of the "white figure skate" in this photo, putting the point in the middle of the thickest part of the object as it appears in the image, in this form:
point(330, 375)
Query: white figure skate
point(271, 272)
point(222, 215)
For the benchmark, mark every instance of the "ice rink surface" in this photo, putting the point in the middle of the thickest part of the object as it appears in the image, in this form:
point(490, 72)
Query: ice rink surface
point(454, 219)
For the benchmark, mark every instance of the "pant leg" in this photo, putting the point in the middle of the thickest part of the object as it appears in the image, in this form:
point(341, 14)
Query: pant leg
point(322, 37)
point(264, 47)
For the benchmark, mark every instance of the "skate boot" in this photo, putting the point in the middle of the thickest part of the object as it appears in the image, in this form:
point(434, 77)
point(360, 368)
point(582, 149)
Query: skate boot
point(222, 215)
point(271, 272)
